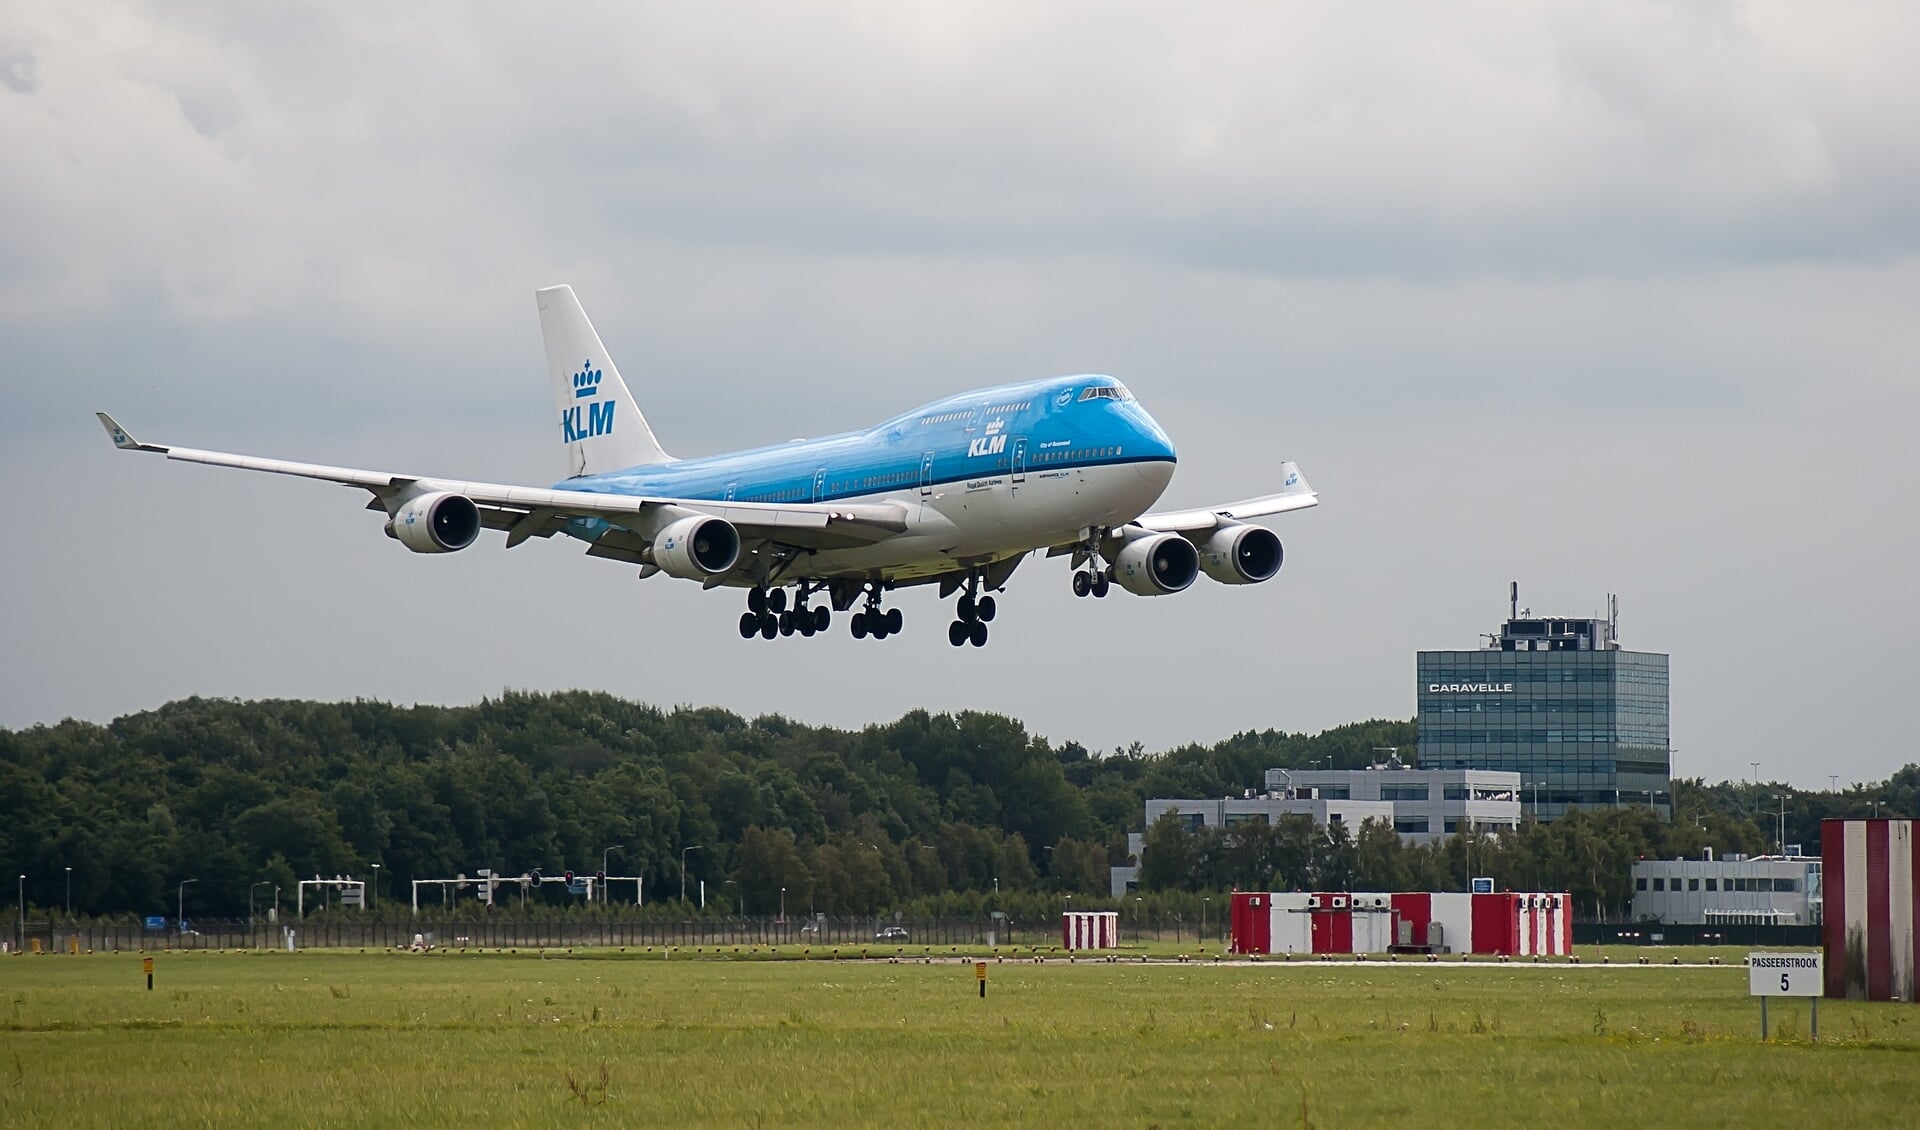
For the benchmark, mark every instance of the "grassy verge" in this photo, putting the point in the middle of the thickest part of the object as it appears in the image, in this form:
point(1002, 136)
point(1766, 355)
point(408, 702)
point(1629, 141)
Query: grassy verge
point(388, 1039)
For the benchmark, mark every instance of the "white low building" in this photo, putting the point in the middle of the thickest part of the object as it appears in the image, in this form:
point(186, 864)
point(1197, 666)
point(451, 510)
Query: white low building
point(1737, 890)
point(1428, 805)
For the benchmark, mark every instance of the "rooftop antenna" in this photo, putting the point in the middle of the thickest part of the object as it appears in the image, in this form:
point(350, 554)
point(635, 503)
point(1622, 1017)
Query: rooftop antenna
point(1513, 598)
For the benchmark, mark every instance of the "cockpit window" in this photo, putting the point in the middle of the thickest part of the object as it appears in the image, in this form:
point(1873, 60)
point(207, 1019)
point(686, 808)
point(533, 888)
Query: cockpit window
point(1106, 392)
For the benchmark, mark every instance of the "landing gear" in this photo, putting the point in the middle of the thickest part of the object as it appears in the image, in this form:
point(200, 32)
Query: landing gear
point(974, 612)
point(767, 615)
point(875, 621)
point(1092, 582)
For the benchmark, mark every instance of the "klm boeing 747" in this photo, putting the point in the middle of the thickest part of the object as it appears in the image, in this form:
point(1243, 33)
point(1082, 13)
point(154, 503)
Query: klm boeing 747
point(956, 494)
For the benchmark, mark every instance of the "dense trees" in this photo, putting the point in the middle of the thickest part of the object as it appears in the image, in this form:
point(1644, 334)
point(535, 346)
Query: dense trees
point(942, 809)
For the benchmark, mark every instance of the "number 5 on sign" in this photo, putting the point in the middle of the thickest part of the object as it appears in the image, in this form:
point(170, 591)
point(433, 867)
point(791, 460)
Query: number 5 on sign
point(1786, 975)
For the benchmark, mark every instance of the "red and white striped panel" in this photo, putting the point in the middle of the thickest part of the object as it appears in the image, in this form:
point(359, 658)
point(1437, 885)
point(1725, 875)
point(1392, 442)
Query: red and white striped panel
point(1869, 874)
point(1090, 929)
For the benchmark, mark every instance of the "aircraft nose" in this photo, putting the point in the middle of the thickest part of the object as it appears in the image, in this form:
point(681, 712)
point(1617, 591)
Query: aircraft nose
point(1150, 439)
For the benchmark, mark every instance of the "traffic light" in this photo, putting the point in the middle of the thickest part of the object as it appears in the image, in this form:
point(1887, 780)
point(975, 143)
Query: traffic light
point(569, 876)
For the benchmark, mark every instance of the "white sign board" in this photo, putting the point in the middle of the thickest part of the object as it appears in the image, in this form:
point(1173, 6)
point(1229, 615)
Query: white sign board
point(1785, 975)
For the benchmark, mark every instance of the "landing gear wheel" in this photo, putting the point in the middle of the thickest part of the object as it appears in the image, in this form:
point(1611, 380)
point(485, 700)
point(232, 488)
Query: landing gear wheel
point(984, 609)
point(977, 635)
point(859, 625)
point(1100, 583)
point(966, 607)
point(757, 601)
point(749, 625)
point(822, 618)
point(777, 601)
point(786, 623)
point(803, 621)
point(957, 633)
point(894, 621)
point(1082, 584)
point(769, 626)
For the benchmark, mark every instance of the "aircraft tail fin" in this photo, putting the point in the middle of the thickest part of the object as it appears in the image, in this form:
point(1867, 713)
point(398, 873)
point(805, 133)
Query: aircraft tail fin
point(600, 424)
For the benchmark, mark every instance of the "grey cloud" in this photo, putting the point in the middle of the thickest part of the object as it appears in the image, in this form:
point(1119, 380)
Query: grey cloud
point(1604, 298)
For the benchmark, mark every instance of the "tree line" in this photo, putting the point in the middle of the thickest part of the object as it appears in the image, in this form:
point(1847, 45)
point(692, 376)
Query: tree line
point(930, 813)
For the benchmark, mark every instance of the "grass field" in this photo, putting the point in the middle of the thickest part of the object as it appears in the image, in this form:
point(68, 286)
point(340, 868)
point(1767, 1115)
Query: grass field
point(335, 1039)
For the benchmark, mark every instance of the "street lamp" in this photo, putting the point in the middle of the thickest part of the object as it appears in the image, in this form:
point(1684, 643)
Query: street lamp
point(376, 888)
point(783, 906)
point(603, 868)
point(69, 894)
point(255, 887)
point(1782, 842)
point(683, 869)
point(180, 926)
point(1204, 900)
point(22, 941)
point(1535, 785)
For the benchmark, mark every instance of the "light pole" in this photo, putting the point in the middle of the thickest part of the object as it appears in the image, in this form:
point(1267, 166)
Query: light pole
point(603, 868)
point(1204, 900)
point(180, 926)
point(69, 894)
point(683, 869)
point(1535, 785)
point(255, 887)
point(375, 901)
point(1833, 782)
point(1781, 843)
point(21, 941)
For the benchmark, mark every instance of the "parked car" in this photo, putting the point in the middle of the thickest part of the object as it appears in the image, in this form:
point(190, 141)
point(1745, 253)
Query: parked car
point(891, 934)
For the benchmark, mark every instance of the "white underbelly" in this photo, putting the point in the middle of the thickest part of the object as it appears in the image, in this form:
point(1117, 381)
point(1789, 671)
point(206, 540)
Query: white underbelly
point(995, 517)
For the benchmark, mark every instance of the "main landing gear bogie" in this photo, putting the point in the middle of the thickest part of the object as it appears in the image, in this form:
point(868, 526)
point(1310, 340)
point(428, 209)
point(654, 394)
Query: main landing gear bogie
point(768, 615)
point(973, 614)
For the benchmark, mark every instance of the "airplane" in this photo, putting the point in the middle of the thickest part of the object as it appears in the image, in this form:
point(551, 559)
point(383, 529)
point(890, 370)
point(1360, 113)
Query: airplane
point(956, 493)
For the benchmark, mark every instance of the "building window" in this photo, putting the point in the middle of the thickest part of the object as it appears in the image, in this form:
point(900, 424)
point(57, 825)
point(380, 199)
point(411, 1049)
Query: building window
point(1639, 884)
point(1454, 792)
point(1693, 884)
point(1659, 884)
point(1786, 885)
point(1403, 792)
point(1334, 792)
point(1713, 884)
point(1411, 824)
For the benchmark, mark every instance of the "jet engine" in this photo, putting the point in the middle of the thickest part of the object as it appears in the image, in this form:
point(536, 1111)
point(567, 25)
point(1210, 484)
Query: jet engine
point(1241, 555)
point(1156, 565)
point(697, 548)
point(435, 523)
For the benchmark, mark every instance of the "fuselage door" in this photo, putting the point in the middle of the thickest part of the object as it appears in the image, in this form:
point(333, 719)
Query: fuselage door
point(820, 485)
point(1019, 460)
point(926, 474)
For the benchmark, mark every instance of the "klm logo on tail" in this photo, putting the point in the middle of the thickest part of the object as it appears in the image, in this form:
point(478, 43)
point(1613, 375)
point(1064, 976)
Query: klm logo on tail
point(598, 417)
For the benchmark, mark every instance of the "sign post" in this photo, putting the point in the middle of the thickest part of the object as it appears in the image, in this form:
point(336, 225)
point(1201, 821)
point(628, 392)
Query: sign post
point(1786, 975)
point(147, 967)
point(980, 975)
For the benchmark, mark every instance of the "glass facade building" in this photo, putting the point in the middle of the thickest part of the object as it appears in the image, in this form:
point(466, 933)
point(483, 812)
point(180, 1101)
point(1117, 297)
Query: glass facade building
point(1559, 702)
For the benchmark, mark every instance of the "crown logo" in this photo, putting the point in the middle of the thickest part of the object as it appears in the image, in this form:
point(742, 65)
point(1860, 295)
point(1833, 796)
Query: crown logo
point(586, 382)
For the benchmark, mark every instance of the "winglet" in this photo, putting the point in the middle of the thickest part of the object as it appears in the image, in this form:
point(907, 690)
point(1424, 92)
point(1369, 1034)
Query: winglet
point(1292, 481)
point(121, 439)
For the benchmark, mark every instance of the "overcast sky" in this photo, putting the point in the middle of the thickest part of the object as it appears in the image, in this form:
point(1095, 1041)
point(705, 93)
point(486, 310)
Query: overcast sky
point(1611, 297)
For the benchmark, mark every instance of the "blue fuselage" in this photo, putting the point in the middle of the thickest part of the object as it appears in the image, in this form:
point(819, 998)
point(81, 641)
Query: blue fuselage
point(1058, 424)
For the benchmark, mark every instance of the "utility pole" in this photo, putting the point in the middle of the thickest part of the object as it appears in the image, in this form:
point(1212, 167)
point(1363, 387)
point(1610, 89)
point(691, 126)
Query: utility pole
point(180, 926)
point(1781, 843)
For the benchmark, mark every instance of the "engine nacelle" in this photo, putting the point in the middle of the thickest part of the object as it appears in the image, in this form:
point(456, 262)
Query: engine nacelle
point(697, 548)
point(1156, 565)
point(435, 523)
point(1241, 555)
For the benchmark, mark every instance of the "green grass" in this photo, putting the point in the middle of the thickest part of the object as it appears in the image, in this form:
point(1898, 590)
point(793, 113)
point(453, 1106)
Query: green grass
point(326, 1039)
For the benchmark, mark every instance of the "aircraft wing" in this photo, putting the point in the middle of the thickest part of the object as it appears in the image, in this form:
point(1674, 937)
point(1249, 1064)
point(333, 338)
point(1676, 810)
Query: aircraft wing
point(1294, 494)
point(526, 512)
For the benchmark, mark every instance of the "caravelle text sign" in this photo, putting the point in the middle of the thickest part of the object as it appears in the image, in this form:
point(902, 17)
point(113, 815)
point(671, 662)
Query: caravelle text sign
point(1785, 975)
point(1469, 688)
